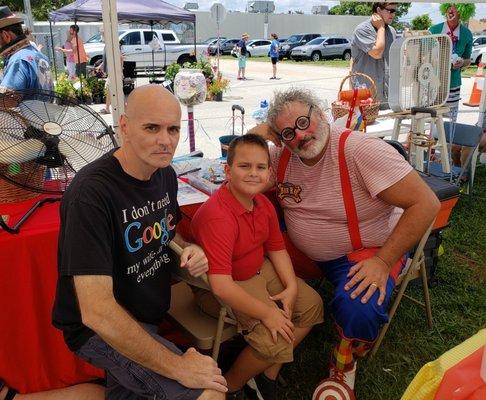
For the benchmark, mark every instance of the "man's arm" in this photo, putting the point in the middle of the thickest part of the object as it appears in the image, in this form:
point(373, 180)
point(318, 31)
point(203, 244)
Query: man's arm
point(225, 288)
point(420, 207)
point(101, 313)
point(377, 51)
point(192, 257)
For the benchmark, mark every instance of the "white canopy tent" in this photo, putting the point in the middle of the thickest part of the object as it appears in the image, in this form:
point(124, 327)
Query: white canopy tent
point(144, 11)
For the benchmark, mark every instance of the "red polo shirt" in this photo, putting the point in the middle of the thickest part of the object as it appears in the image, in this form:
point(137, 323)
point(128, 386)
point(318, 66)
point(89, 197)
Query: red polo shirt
point(233, 238)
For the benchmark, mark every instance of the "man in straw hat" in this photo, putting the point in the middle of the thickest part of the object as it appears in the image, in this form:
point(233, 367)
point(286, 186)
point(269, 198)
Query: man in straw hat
point(241, 49)
point(25, 66)
point(370, 47)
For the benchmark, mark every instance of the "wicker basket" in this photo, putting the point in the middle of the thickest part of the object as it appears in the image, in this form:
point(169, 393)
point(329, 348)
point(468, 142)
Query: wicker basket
point(369, 111)
point(30, 171)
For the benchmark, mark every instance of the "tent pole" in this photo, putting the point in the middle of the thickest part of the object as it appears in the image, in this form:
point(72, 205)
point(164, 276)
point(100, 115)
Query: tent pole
point(153, 56)
point(52, 49)
point(195, 48)
point(110, 25)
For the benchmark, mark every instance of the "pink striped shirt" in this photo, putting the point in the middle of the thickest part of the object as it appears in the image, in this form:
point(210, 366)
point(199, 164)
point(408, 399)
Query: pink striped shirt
point(317, 225)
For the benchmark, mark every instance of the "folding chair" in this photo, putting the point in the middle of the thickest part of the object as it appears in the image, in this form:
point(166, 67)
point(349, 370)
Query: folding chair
point(205, 331)
point(414, 268)
point(464, 135)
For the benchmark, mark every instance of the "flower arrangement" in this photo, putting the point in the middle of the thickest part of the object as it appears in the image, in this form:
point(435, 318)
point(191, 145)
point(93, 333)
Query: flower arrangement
point(218, 86)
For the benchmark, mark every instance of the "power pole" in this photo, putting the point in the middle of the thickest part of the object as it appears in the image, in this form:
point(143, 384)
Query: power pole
point(265, 23)
point(28, 13)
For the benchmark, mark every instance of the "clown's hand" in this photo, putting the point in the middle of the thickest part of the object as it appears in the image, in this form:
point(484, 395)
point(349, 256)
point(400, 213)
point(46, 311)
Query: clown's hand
point(266, 133)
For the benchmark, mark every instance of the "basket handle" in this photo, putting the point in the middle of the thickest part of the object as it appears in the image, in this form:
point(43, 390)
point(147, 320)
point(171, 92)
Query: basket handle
point(353, 74)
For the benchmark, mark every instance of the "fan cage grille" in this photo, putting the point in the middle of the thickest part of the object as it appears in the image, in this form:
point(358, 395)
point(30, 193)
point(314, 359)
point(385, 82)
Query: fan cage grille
point(424, 71)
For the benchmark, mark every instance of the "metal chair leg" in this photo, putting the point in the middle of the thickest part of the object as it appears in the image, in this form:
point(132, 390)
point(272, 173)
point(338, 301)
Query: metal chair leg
point(219, 333)
point(425, 288)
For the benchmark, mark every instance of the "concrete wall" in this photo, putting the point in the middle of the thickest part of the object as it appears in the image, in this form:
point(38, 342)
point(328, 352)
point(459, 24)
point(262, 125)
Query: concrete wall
point(283, 24)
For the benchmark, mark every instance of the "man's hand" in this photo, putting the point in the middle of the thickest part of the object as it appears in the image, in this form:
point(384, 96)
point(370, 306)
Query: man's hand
point(377, 21)
point(194, 259)
point(458, 64)
point(287, 297)
point(277, 323)
point(198, 371)
point(370, 274)
point(266, 133)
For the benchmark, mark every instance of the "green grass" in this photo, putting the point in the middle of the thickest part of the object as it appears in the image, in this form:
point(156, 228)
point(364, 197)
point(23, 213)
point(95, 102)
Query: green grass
point(469, 71)
point(327, 63)
point(458, 304)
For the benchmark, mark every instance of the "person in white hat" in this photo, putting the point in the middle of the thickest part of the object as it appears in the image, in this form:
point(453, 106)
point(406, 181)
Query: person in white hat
point(25, 66)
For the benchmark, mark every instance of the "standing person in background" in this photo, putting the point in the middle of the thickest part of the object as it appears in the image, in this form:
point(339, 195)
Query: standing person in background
point(241, 50)
point(462, 40)
point(67, 49)
point(80, 57)
point(370, 47)
point(274, 54)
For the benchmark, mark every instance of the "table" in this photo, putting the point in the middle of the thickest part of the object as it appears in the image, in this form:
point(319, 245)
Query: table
point(33, 355)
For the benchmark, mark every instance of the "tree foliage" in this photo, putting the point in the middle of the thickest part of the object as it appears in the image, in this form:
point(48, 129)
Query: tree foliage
point(40, 8)
point(421, 23)
point(358, 8)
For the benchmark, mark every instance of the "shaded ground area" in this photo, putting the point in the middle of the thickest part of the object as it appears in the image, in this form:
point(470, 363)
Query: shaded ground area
point(458, 304)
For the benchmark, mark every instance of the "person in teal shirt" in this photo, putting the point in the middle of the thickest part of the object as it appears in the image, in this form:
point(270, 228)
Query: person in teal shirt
point(462, 40)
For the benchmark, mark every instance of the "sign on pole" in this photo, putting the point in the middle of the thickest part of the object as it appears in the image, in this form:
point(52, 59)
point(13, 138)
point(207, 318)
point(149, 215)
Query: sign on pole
point(218, 13)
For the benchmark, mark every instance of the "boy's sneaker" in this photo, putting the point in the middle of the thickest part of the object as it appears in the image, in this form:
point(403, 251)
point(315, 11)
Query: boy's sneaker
point(266, 389)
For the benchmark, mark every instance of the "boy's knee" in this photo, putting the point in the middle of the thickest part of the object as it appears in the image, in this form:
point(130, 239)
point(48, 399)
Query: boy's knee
point(261, 341)
point(310, 309)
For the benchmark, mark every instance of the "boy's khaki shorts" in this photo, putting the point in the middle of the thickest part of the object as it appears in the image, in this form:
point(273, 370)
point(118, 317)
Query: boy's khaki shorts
point(308, 311)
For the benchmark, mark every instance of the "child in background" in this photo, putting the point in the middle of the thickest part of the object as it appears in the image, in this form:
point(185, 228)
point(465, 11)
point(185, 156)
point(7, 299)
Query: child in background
point(250, 270)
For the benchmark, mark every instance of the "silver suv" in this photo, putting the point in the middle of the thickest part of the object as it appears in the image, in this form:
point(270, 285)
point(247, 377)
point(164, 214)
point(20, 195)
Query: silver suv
point(323, 47)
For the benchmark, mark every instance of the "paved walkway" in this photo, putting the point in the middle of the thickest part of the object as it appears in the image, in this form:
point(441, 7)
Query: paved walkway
point(213, 119)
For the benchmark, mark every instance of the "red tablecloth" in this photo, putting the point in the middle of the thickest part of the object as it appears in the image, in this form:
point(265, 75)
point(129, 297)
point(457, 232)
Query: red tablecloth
point(33, 356)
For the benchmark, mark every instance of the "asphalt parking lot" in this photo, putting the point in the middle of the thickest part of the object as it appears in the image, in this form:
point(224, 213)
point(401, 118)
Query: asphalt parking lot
point(213, 119)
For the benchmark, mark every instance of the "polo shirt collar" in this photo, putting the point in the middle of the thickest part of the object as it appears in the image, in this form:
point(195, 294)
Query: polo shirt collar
point(231, 201)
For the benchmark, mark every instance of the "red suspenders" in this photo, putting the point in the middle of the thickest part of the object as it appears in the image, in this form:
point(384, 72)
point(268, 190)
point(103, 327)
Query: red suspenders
point(348, 198)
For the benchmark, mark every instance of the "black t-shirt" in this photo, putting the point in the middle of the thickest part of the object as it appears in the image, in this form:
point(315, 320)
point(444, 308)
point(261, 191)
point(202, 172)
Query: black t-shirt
point(113, 224)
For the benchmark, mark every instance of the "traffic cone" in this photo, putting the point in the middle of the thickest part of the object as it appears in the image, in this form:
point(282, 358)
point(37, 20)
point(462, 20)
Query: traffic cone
point(475, 97)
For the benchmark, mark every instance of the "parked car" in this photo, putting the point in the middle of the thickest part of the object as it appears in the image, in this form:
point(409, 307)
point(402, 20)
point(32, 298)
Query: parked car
point(479, 44)
point(323, 47)
point(213, 40)
point(255, 48)
point(136, 48)
point(224, 46)
point(293, 41)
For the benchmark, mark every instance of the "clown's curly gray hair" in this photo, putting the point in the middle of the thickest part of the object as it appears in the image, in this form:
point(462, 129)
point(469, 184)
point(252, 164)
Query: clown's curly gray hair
point(294, 94)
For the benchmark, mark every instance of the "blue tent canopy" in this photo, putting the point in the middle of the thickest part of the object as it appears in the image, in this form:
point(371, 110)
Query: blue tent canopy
point(146, 11)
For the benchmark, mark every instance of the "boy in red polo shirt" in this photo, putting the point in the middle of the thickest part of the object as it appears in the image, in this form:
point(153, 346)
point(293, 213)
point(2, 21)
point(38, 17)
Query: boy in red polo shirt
point(250, 270)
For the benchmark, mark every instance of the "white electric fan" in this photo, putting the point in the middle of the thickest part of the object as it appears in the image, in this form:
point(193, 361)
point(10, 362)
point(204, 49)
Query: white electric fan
point(420, 69)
